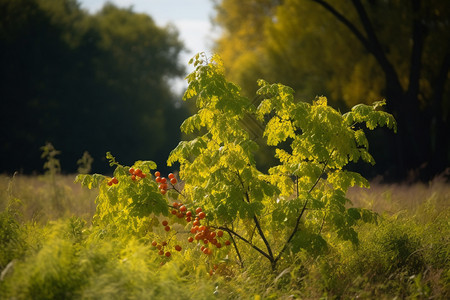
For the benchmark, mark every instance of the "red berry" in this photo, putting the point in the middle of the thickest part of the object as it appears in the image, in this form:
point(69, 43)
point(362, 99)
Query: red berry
point(198, 210)
point(183, 208)
point(154, 243)
point(178, 247)
point(180, 215)
point(174, 212)
point(188, 219)
point(167, 228)
point(133, 177)
point(173, 181)
point(131, 170)
point(161, 252)
point(220, 233)
point(138, 172)
point(157, 174)
point(163, 191)
point(171, 176)
point(164, 243)
point(158, 179)
point(115, 180)
point(110, 183)
point(167, 254)
point(163, 180)
point(228, 243)
point(165, 223)
point(201, 215)
point(219, 245)
point(190, 239)
point(189, 214)
point(175, 204)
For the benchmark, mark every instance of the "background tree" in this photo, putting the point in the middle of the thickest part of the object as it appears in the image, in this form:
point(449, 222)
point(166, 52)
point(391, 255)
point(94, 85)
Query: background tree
point(85, 82)
point(355, 51)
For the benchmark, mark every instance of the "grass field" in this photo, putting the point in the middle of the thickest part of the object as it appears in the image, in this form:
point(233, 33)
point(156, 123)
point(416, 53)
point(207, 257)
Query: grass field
point(49, 250)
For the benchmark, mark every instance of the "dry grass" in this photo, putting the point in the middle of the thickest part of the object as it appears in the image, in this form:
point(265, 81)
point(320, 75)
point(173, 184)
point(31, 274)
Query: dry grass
point(396, 198)
point(41, 199)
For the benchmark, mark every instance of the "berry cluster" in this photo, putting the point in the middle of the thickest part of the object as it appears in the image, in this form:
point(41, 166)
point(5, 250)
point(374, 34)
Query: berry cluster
point(163, 183)
point(205, 234)
point(136, 174)
point(163, 246)
point(113, 180)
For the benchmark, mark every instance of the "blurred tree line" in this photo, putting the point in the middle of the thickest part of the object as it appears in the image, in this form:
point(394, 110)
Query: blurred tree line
point(85, 82)
point(353, 51)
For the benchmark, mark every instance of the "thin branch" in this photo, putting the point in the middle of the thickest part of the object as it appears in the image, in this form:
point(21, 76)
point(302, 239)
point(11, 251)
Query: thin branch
point(255, 219)
point(237, 250)
point(297, 222)
point(244, 240)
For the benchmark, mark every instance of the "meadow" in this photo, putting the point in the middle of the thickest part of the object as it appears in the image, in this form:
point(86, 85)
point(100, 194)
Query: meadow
point(50, 250)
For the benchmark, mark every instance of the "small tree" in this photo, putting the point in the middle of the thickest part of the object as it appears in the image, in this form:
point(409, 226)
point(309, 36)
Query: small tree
point(292, 205)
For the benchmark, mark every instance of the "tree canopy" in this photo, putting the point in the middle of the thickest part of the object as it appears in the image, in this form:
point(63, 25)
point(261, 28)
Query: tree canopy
point(85, 82)
point(353, 51)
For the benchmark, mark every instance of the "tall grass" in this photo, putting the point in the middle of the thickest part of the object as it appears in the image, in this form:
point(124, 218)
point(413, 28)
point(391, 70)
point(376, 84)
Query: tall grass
point(49, 250)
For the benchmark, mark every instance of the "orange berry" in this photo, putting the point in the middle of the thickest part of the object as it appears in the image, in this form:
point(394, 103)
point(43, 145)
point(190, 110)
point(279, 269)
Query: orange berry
point(193, 230)
point(131, 170)
point(142, 175)
point(212, 234)
point(158, 179)
point(163, 180)
point(173, 181)
point(188, 219)
point(174, 212)
point(110, 183)
point(157, 174)
point(138, 172)
point(115, 180)
point(196, 223)
point(190, 239)
point(171, 176)
point(163, 191)
point(133, 177)
point(201, 215)
point(175, 204)
point(183, 208)
point(198, 210)
point(202, 228)
point(189, 214)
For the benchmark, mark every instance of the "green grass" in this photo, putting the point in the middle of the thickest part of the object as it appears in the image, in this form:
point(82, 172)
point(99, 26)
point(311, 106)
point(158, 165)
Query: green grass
point(49, 250)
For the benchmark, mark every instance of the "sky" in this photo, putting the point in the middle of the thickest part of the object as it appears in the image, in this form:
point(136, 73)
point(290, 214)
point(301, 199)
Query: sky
point(191, 18)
